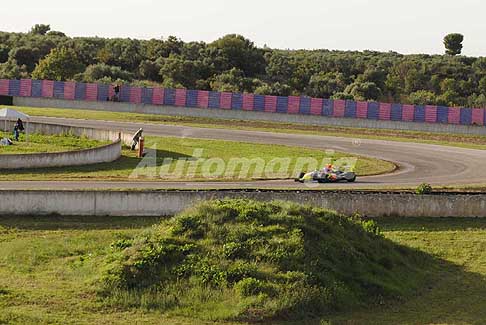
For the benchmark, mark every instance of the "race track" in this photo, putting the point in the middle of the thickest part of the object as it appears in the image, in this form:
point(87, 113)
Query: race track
point(417, 163)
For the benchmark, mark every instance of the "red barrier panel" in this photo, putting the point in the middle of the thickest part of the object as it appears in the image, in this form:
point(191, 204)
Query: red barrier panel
point(111, 91)
point(408, 112)
point(180, 97)
point(385, 111)
point(248, 100)
point(158, 96)
point(91, 92)
point(47, 88)
point(316, 106)
point(431, 114)
point(225, 100)
point(25, 88)
point(4, 85)
point(135, 95)
point(294, 105)
point(478, 116)
point(362, 109)
point(69, 90)
point(202, 98)
point(454, 116)
point(270, 104)
point(339, 108)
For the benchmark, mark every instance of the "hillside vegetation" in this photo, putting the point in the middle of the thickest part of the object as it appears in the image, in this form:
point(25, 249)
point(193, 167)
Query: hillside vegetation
point(250, 261)
point(234, 63)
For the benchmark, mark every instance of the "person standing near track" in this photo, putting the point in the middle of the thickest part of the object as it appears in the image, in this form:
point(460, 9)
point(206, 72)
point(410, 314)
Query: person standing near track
point(116, 98)
point(20, 125)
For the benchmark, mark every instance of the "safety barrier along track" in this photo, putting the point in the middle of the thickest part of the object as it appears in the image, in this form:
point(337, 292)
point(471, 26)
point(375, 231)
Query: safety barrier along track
point(246, 102)
point(438, 165)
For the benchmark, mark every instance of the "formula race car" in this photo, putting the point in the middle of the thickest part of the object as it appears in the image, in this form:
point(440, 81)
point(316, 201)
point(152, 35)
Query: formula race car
point(321, 176)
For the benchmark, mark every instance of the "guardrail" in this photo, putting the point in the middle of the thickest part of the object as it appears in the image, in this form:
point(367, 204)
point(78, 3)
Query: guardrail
point(245, 102)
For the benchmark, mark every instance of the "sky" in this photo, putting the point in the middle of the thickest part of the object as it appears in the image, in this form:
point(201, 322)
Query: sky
point(406, 26)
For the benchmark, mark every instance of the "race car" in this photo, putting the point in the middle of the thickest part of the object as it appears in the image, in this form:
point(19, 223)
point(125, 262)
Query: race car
point(326, 176)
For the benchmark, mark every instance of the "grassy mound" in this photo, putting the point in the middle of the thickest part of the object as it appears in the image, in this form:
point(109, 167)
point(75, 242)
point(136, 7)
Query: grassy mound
point(247, 260)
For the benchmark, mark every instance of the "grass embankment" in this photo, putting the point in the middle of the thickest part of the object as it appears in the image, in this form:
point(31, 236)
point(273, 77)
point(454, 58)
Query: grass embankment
point(179, 148)
point(51, 267)
point(465, 141)
point(251, 261)
point(37, 143)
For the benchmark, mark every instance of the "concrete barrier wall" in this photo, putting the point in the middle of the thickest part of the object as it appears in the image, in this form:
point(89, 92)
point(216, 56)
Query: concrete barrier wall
point(102, 154)
point(124, 203)
point(250, 115)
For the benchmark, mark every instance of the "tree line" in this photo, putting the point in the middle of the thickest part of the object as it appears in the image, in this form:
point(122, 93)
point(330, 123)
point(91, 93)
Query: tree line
point(234, 63)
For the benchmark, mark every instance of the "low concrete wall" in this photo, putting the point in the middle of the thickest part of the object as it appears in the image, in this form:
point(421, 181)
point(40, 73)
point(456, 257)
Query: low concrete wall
point(103, 154)
point(124, 203)
point(250, 116)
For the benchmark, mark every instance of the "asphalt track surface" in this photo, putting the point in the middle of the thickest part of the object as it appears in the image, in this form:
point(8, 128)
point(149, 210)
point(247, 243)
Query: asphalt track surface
point(417, 163)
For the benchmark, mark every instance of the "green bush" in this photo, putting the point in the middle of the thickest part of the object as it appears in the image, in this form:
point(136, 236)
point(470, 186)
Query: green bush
point(251, 261)
point(423, 188)
point(249, 287)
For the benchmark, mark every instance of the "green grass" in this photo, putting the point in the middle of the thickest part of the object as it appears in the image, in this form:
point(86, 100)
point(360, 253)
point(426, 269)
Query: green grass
point(176, 148)
point(457, 294)
point(37, 143)
point(464, 141)
point(48, 268)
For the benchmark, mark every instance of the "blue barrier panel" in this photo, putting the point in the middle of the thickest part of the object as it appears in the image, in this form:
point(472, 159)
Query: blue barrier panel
point(259, 102)
point(58, 90)
point(191, 98)
point(396, 112)
point(237, 101)
point(466, 116)
point(36, 88)
point(282, 104)
point(124, 95)
point(419, 113)
point(80, 91)
point(103, 92)
point(169, 97)
point(328, 107)
point(350, 109)
point(305, 105)
point(442, 114)
point(373, 111)
point(147, 94)
point(14, 88)
point(214, 99)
